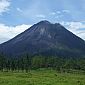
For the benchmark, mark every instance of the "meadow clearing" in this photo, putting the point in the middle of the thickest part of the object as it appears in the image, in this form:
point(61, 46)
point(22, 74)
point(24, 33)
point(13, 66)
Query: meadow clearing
point(41, 77)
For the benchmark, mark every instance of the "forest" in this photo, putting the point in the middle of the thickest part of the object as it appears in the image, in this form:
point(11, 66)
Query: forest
point(26, 63)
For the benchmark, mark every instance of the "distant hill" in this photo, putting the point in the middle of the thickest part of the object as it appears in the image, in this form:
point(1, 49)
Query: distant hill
point(45, 38)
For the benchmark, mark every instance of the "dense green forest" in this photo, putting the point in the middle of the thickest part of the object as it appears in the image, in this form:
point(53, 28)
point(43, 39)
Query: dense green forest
point(26, 63)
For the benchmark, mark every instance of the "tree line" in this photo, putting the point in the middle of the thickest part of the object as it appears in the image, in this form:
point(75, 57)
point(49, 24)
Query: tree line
point(26, 63)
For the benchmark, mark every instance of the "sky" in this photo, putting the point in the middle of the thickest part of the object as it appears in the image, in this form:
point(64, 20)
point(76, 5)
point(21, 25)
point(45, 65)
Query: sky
point(18, 15)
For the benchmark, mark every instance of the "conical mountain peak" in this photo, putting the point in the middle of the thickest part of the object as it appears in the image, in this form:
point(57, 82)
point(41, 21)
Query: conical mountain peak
point(45, 38)
point(45, 22)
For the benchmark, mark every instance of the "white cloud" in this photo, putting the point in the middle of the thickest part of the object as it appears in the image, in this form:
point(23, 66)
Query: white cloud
point(53, 13)
point(41, 16)
point(4, 4)
point(63, 11)
point(19, 10)
point(8, 32)
point(76, 28)
point(58, 12)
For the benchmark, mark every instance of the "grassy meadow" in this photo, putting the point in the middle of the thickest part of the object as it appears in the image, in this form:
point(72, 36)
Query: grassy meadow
point(41, 77)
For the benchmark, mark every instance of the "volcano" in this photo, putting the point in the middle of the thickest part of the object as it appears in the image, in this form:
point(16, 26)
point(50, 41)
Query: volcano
point(45, 38)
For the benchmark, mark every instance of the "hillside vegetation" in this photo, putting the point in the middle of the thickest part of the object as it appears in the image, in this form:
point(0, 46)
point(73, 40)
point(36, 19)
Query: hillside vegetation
point(27, 63)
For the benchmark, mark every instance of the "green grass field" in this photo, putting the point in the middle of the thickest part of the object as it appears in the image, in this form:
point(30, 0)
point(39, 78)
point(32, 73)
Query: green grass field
point(41, 77)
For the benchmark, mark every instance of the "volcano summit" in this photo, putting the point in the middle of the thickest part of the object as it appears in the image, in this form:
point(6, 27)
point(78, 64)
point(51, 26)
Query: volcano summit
point(45, 38)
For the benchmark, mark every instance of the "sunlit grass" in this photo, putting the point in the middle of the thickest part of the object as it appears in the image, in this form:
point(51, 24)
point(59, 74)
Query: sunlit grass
point(41, 77)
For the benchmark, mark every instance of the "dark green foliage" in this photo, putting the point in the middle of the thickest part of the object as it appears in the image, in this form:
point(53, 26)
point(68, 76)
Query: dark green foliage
point(25, 63)
point(2, 62)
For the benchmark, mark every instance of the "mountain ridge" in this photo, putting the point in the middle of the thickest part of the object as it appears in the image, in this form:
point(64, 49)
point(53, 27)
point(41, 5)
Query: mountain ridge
point(44, 38)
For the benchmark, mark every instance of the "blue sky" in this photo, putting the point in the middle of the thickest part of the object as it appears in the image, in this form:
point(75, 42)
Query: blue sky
point(31, 11)
point(24, 13)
